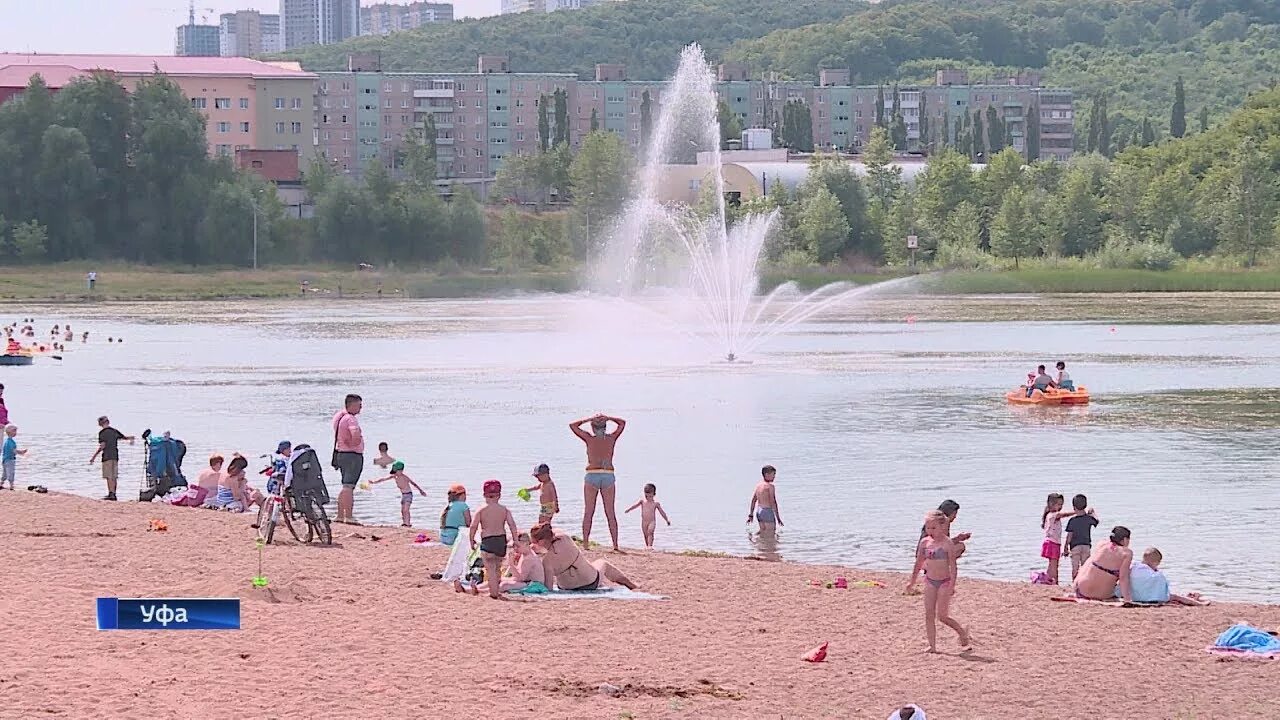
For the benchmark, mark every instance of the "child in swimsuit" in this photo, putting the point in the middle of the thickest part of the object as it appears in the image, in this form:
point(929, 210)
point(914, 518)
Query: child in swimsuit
point(936, 554)
point(548, 498)
point(764, 503)
point(650, 508)
point(383, 460)
point(456, 515)
point(403, 482)
point(492, 522)
point(527, 573)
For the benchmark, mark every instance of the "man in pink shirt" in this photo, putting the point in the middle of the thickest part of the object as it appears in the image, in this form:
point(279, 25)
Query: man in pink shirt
point(348, 455)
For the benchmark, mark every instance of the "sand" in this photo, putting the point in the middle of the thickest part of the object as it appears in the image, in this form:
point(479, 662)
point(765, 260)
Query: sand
point(360, 631)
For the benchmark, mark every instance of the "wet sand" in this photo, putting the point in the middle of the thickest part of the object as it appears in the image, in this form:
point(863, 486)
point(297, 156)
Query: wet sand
point(360, 631)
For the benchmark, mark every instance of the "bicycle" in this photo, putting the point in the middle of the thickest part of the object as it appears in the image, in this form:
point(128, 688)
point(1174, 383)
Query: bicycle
point(304, 524)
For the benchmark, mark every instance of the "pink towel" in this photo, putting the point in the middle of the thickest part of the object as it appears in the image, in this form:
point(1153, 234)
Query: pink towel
point(193, 497)
point(1233, 654)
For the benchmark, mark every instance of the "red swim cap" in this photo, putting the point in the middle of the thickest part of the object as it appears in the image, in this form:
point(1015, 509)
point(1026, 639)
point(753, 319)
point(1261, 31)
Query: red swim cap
point(492, 487)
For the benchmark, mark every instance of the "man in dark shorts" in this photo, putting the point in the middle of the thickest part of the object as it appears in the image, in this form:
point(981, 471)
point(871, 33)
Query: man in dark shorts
point(348, 455)
point(109, 448)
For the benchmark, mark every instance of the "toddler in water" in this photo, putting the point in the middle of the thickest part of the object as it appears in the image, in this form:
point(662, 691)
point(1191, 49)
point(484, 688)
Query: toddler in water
point(548, 498)
point(10, 456)
point(936, 554)
point(403, 482)
point(456, 515)
point(650, 508)
point(1051, 523)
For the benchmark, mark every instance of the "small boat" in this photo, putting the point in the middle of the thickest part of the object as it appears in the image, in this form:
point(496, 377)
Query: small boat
point(17, 359)
point(1050, 396)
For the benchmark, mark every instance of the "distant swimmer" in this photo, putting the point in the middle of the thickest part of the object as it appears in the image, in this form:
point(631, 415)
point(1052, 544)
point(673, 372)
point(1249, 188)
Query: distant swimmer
point(600, 477)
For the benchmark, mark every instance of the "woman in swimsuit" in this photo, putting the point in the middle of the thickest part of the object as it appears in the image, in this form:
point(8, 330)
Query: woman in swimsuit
point(1107, 568)
point(564, 562)
point(937, 554)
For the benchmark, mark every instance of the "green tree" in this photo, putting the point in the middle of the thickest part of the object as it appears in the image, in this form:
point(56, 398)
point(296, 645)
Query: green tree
point(99, 108)
point(797, 127)
point(730, 126)
point(1243, 197)
point(544, 123)
point(884, 179)
point(946, 182)
point(1013, 231)
point(1148, 133)
point(65, 187)
point(595, 120)
point(598, 178)
point(30, 241)
point(822, 225)
point(1033, 133)
point(879, 109)
point(1178, 121)
point(898, 131)
point(561, 134)
point(1204, 118)
point(960, 239)
point(978, 137)
point(831, 172)
point(1080, 224)
point(420, 162)
point(995, 131)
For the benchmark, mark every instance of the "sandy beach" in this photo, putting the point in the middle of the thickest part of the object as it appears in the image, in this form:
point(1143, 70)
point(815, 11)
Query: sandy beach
point(359, 630)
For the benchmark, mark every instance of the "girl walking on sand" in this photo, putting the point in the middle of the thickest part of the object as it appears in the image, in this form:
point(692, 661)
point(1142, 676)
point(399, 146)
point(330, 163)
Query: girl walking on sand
point(937, 553)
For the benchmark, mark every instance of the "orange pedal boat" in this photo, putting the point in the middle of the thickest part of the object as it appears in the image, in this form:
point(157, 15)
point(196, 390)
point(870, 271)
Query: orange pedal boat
point(1051, 396)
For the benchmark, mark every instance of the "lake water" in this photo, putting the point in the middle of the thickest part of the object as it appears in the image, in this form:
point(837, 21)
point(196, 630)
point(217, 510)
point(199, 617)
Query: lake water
point(870, 419)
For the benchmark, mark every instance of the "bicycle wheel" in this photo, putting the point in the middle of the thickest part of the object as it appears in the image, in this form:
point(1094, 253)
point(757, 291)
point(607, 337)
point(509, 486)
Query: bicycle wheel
point(293, 520)
point(320, 521)
point(264, 512)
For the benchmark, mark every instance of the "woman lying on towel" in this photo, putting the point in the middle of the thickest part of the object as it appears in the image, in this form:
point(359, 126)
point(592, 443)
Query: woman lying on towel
point(1107, 569)
point(564, 561)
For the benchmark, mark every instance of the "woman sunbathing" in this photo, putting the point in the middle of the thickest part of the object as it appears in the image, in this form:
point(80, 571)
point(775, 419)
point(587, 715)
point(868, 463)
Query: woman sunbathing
point(1107, 569)
point(564, 561)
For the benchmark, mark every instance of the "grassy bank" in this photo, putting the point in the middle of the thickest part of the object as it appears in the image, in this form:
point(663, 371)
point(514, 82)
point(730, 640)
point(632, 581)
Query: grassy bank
point(66, 282)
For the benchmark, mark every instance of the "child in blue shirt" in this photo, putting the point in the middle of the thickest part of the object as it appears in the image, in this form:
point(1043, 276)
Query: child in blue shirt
point(9, 456)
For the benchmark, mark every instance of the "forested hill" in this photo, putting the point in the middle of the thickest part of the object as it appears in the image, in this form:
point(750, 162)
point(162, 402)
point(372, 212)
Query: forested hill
point(1132, 51)
point(646, 35)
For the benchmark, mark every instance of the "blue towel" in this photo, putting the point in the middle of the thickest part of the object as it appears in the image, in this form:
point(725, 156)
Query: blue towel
point(1247, 638)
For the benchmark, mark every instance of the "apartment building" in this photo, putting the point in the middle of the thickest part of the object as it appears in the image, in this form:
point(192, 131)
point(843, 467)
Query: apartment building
point(248, 104)
point(480, 118)
point(318, 22)
point(249, 33)
point(386, 18)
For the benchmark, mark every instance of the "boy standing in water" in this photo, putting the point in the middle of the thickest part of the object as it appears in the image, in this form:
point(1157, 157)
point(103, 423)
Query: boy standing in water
point(403, 482)
point(492, 522)
point(764, 503)
point(548, 499)
point(650, 508)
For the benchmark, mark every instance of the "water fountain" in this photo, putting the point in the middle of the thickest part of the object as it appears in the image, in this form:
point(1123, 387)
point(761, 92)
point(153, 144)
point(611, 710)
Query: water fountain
point(692, 257)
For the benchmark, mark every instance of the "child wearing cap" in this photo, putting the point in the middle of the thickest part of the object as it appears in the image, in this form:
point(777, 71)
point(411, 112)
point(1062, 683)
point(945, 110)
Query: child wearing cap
point(492, 522)
point(456, 515)
point(404, 482)
point(548, 499)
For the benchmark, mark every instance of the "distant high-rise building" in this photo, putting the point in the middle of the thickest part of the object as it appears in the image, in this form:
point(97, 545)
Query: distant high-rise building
point(247, 33)
point(511, 7)
point(193, 40)
point(318, 22)
point(386, 18)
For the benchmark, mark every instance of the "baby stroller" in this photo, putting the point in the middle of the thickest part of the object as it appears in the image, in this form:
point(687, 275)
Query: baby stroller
point(308, 492)
point(163, 465)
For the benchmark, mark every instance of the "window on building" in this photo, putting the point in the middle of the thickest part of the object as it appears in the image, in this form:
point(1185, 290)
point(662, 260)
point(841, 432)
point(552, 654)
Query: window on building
point(244, 103)
point(279, 128)
point(404, 87)
point(344, 119)
point(223, 150)
point(386, 119)
point(519, 87)
point(479, 119)
point(224, 127)
point(346, 153)
point(244, 127)
point(346, 103)
point(519, 119)
point(477, 87)
point(242, 147)
point(279, 103)
point(326, 136)
point(296, 104)
point(324, 87)
point(595, 94)
point(222, 103)
point(477, 136)
point(404, 104)
point(346, 134)
point(199, 103)
point(476, 151)
point(478, 103)
point(346, 85)
point(386, 136)
point(296, 128)
point(519, 136)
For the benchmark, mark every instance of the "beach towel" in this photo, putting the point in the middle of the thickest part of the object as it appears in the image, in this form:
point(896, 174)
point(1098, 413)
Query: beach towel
point(609, 593)
point(1232, 654)
point(460, 558)
point(1104, 603)
point(193, 496)
point(1245, 638)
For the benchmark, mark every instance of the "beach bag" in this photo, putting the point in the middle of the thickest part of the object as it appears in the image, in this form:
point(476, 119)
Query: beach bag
point(333, 463)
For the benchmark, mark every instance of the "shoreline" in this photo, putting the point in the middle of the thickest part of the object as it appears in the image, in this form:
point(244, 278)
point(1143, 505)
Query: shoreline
point(366, 633)
point(65, 283)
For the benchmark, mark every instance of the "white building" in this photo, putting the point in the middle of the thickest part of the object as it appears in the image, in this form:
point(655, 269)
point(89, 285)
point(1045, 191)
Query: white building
point(249, 33)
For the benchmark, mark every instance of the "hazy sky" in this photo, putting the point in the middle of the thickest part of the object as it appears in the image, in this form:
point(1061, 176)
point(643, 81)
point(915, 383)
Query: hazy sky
point(144, 27)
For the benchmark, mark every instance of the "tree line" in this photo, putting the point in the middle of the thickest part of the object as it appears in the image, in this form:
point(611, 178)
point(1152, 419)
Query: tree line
point(1214, 193)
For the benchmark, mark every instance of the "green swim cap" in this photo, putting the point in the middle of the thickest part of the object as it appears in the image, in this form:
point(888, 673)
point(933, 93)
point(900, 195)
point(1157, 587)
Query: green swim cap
point(397, 466)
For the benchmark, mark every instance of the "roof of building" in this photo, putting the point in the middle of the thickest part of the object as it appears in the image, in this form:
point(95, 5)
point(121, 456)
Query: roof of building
point(791, 174)
point(66, 67)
